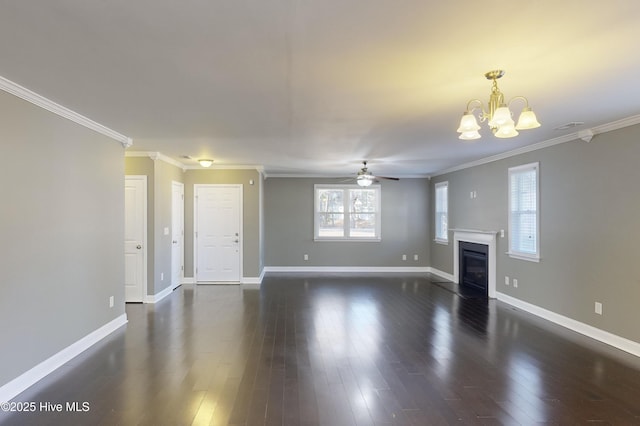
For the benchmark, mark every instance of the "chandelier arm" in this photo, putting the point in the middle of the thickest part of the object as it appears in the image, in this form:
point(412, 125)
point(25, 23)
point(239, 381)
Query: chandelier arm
point(478, 101)
point(526, 101)
point(479, 105)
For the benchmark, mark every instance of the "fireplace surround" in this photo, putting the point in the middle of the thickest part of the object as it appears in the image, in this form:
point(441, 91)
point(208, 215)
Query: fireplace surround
point(487, 238)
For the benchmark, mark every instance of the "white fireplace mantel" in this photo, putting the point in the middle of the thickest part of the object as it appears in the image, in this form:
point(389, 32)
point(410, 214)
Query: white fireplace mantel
point(477, 236)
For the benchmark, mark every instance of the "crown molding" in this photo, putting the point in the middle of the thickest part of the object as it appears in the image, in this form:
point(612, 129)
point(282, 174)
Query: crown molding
point(44, 103)
point(155, 156)
point(586, 135)
point(330, 176)
point(259, 169)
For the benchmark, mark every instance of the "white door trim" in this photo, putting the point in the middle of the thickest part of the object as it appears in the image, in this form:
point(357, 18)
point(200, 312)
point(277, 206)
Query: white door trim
point(195, 226)
point(142, 178)
point(180, 186)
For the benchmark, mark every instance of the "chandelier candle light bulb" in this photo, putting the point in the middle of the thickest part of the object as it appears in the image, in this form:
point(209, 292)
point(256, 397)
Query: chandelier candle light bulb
point(499, 115)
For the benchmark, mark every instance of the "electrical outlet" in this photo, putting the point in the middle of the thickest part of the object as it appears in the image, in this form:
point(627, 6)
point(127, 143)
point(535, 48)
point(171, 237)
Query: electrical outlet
point(515, 283)
point(598, 308)
point(506, 280)
point(404, 257)
point(502, 233)
point(111, 302)
point(306, 257)
point(415, 257)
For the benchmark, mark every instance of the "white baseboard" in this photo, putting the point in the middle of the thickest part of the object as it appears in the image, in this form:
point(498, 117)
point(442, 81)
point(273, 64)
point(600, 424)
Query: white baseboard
point(21, 383)
point(155, 298)
point(253, 280)
point(339, 269)
point(579, 327)
point(243, 280)
point(441, 274)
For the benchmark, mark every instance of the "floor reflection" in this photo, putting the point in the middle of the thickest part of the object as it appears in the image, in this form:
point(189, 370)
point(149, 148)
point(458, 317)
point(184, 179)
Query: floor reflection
point(347, 324)
point(473, 314)
point(525, 390)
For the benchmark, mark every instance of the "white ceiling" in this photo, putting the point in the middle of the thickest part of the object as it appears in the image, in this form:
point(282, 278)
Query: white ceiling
point(316, 86)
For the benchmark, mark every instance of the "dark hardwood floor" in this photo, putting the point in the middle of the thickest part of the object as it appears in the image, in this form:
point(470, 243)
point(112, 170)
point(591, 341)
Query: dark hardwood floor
point(339, 350)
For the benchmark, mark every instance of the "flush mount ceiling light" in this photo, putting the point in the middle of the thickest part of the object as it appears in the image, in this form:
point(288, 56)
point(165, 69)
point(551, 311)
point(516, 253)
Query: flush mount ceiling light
point(205, 162)
point(498, 114)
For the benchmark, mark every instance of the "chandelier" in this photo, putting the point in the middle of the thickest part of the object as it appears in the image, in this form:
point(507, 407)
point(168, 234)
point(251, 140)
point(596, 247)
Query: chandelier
point(498, 114)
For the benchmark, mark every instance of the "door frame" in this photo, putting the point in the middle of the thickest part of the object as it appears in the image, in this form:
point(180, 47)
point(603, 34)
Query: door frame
point(145, 264)
point(240, 187)
point(180, 185)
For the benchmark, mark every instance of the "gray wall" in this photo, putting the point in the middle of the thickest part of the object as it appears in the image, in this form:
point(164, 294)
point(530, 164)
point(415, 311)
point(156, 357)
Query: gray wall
point(252, 253)
point(160, 175)
point(289, 226)
point(165, 173)
point(62, 226)
point(589, 224)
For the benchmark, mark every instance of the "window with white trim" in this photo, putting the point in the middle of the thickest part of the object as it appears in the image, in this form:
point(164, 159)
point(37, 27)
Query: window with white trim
point(347, 213)
point(442, 212)
point(524, 219)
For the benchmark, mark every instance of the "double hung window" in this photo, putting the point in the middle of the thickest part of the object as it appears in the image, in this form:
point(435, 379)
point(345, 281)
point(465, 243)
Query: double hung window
point(524, 219)
point(347, 213)
point(442, 212)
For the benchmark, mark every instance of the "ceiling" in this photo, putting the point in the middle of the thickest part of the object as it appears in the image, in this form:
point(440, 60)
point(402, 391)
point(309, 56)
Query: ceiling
point(313, 87)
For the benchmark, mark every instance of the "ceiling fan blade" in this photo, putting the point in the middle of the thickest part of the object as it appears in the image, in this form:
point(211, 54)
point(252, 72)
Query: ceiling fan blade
point(387, 177)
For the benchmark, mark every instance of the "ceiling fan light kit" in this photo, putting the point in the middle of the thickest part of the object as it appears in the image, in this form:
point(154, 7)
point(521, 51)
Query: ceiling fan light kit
point(366, 178)
point(498, 115)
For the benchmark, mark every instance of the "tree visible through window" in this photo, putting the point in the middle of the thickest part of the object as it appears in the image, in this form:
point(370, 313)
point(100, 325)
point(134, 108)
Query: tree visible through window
point(347, 212)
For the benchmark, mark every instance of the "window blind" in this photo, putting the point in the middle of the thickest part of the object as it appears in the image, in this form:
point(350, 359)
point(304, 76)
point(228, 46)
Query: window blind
point(523, 210)
point(442, 211)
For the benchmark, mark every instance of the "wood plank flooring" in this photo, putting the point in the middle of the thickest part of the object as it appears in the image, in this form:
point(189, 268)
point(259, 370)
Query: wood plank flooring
point(339, 350)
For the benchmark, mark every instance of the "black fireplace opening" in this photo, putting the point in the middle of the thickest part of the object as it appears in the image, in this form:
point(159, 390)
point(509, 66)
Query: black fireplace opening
point(474, 266)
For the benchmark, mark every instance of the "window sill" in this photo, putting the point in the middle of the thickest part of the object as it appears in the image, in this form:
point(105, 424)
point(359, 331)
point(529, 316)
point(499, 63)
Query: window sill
point(347, 240)
point(443, 242)
point(520, 256)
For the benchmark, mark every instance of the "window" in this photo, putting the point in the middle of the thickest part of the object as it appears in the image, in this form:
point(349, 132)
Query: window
point(347, 212)
point(524, 229)
point(442, 212)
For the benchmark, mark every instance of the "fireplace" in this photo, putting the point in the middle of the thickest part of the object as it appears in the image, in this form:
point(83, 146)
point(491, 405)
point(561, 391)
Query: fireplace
point(474, 267)
point(485, 238)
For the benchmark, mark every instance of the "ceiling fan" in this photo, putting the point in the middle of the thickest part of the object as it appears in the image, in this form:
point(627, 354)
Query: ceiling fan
point(366, 178)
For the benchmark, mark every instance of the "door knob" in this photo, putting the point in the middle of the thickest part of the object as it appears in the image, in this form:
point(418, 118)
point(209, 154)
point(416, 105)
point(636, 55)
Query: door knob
point(138, 246)
point(174, 242)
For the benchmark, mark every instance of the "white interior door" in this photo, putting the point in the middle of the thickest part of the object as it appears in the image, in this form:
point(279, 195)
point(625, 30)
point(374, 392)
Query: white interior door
point(135, 224)
point(177, 233)
point(218, 239)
